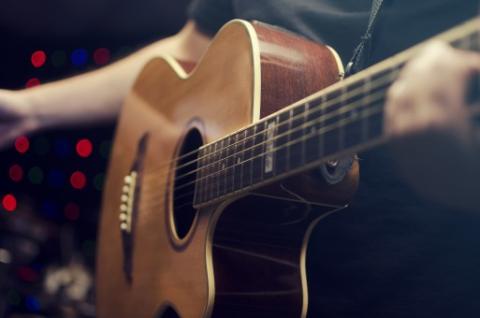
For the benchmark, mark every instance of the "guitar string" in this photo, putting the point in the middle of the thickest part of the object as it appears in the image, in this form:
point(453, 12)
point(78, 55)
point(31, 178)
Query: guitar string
point(374, 110)
point(315, 109)
point(289, 132)
point(340, 111)
point(291, 119)
point(460, 42)
point(352, 106)
point(384, 79)
point(311, 111)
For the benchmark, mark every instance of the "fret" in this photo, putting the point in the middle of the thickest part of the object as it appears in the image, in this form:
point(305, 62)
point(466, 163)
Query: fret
point(222, 172)
point(320, 125)
point(197, 196)
point(215, 169)
point(205, 173)
point(208, 172)
point(364, 113)
point(296, 137)
point(305, 132)
point(375, 120)
point(237, 168)
point(289, 139)
point(248, 165)
point(331, 134)
point(314, 140)
point(271, 129)
point(342, 117)
point(353, 129)
point(230, 162)
point(281, 153)
point(258, 153)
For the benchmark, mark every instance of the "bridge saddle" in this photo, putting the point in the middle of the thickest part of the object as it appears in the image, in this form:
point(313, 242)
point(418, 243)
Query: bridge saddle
point(127, 198)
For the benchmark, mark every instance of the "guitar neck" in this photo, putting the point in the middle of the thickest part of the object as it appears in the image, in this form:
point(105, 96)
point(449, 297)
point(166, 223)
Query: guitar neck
point(341, 120)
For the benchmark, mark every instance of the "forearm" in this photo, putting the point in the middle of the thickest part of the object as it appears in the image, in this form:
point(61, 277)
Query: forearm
point(97, 96)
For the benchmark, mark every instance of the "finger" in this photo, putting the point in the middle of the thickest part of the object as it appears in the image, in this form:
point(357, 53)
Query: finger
point(471, 60)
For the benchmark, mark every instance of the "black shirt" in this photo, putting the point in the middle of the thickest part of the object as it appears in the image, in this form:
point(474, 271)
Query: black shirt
point(391, 254)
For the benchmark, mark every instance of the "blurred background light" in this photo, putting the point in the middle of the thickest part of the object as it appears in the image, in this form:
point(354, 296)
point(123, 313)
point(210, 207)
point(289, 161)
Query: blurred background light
point(32, 82)
point(9, 202)
point(38, 58)
point(101, 56)
point(78, 180)
point(16, 173)
point(22, 144)
point(79, 57)
point(84, 148)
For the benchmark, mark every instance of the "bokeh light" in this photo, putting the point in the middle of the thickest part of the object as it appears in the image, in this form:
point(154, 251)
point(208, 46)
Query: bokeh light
point(38, 58)
point(78, 180)
point(9, 202)
point(32, 82)
point(16, 173)
point(84, 148)
point(22, 144)
point(101, 56)
point(79, 57)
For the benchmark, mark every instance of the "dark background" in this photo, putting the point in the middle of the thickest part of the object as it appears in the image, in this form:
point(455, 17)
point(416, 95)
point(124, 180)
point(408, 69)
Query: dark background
point(50, 193)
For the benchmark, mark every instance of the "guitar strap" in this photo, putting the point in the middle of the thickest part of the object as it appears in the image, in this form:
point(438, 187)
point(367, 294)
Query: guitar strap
point(363, 50)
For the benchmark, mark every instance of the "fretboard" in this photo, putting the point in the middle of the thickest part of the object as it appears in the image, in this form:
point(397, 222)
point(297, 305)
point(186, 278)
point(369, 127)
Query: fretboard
point(341, 120)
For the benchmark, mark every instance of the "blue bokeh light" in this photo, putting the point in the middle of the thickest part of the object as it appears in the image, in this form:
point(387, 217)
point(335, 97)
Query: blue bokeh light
point(79, 57)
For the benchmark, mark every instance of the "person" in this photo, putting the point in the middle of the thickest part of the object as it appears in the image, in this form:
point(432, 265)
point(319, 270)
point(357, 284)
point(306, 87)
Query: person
point(392, 254)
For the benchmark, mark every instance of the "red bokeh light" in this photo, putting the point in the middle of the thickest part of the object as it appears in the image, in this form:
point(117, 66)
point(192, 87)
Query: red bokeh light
point(38, 58)
point(84, 148)
point(32, 82)
point(9, 202)
point(16, 173)
point(101, 56)
point(78, 180)
point(22, 144)
point(72, 211)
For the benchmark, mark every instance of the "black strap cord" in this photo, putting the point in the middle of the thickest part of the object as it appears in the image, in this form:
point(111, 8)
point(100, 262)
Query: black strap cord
point(362, 51)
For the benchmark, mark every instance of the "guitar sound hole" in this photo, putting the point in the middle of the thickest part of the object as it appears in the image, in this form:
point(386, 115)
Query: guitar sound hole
point(184, 213)
point(169, 313)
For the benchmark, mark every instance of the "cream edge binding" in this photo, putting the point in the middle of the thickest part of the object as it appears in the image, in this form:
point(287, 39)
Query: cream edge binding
point(255, 116)
point(306, 239)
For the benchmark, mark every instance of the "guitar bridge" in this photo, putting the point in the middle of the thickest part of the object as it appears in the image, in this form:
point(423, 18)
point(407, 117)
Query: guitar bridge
point(127, 199)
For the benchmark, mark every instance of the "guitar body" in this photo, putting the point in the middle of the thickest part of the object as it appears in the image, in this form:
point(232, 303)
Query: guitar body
point(240, 257)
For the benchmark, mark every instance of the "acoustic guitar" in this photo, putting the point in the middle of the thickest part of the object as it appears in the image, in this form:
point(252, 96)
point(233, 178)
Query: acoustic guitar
point(220, 172)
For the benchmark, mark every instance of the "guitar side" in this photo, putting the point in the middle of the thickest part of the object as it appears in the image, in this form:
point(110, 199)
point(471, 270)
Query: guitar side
point(243, 257)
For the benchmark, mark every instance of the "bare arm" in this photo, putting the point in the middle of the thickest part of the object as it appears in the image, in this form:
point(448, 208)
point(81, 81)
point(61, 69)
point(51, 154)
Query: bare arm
point(92, 97)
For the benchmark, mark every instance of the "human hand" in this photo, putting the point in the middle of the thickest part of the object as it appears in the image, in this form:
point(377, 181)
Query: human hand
point(16, 117)
point(428, 119)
